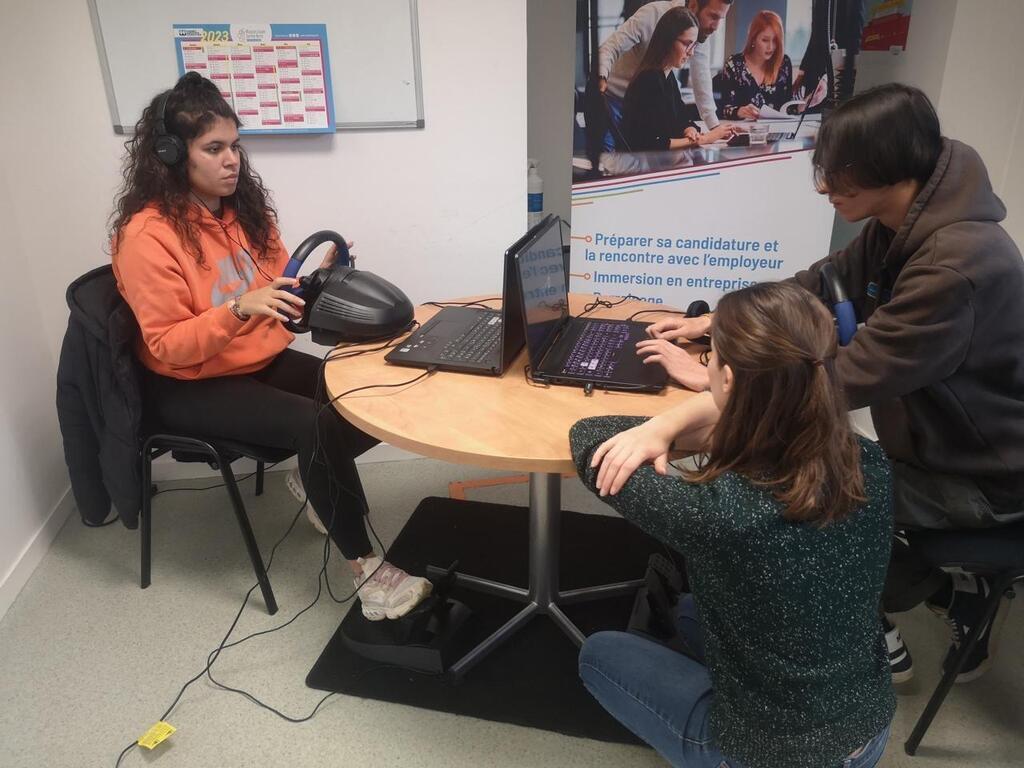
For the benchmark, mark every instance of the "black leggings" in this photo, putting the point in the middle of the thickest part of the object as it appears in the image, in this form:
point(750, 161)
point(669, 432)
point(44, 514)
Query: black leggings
point(274, 407)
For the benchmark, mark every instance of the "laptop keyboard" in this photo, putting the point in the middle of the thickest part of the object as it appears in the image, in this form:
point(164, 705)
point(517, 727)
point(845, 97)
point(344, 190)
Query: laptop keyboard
point(477, 345)
point(597, 349)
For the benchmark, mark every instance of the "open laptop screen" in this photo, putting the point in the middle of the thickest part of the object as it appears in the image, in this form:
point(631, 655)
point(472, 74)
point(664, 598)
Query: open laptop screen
point(544, 287)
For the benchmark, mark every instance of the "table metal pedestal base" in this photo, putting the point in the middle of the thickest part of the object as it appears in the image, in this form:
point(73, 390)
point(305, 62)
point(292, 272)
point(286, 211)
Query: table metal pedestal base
point(542, 596)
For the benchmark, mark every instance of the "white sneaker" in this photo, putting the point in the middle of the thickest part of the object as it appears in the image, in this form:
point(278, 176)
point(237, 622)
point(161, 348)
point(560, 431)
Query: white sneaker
point(388, 591)
point(294, 483)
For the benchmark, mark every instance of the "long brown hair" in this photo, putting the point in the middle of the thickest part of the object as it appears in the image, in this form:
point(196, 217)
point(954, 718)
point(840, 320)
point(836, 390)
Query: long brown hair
point(768, 20)
point(785, 424)
point(192, 106)
point(671, 25)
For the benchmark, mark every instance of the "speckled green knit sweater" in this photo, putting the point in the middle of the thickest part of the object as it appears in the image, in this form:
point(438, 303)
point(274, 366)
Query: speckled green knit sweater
point(794, 644)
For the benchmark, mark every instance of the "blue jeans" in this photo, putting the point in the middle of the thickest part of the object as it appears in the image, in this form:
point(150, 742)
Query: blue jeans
point(665, 697)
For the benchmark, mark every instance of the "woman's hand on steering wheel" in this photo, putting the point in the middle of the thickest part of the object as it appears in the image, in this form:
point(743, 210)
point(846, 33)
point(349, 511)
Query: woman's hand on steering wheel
point(272, 301)
point(332, 255)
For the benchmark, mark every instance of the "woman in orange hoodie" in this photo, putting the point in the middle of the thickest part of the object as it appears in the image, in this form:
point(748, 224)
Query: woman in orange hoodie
point(197, 256)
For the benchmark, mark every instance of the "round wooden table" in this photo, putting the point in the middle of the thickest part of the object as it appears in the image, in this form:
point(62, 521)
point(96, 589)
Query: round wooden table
point(501, 422)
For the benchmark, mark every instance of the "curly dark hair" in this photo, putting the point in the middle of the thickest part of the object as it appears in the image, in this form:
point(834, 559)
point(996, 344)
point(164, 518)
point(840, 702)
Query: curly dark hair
point(192, 106)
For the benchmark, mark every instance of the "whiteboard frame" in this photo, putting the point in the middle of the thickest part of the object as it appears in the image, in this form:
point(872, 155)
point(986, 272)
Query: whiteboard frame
point(414, 22)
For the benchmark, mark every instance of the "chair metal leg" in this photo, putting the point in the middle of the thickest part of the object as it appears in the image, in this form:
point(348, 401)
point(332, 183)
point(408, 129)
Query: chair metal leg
point(145, 520)
point(259, 478)
point(247, 534)
point(939, 695)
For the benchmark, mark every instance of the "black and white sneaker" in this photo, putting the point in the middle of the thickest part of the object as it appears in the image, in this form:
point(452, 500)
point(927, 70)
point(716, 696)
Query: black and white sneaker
point(964, 614)
point(900, 663)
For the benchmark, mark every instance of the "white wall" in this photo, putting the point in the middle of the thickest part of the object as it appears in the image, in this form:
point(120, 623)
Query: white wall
point(30, 458)
point(923, 64)
point(982, 99)
point(432, 210)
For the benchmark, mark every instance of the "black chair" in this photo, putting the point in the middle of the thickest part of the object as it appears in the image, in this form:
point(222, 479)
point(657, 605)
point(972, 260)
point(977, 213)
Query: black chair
point(94, 296)
point(219, 454)
point(995, 553)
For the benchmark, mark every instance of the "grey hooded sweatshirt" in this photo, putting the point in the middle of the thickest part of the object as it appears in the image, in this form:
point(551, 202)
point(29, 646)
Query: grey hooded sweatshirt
point(940, 359)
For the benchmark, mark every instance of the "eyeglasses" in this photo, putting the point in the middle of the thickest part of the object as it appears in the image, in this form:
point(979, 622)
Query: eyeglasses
point(826, 181)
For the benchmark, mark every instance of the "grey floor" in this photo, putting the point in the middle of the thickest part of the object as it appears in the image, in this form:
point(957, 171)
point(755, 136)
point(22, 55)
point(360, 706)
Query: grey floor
point(88, 661)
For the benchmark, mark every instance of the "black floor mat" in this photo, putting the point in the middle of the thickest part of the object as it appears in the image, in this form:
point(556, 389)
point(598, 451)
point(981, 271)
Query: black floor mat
point(531, 680)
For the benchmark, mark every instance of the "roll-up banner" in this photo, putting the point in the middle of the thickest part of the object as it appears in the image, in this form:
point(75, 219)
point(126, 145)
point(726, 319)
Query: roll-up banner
point(694, 129)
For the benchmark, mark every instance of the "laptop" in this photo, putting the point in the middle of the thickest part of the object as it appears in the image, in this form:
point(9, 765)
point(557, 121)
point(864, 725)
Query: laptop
point(780, 136)
point(471, 339)
point(743, 139)
point(589, 352)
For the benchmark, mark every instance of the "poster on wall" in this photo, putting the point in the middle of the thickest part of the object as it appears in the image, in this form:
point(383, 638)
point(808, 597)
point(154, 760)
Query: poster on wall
point(691, 162)
point(887, 27)
point(277, 77)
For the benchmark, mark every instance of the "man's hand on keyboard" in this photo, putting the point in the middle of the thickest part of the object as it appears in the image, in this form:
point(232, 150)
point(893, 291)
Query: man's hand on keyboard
point(676, 361)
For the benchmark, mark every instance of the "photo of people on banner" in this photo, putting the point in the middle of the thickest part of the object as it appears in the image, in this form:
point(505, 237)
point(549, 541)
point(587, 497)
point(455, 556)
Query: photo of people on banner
point(677, 83)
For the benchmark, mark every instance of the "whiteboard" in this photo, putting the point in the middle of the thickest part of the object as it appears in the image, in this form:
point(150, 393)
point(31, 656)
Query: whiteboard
point(374, 52)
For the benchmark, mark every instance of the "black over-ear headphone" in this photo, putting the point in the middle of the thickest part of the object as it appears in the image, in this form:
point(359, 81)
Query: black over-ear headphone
point(169, 148)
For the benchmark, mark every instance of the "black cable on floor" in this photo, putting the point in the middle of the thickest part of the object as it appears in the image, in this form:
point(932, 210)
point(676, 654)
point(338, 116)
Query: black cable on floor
point(322, 577)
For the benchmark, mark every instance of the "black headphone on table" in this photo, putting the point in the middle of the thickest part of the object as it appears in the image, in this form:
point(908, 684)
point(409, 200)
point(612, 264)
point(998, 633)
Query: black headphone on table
point(169, 148)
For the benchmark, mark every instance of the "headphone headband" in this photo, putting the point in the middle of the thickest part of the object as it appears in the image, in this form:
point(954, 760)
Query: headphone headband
point(169, 148)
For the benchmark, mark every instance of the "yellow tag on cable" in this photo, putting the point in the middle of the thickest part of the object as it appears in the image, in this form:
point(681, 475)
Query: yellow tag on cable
point(155, 735)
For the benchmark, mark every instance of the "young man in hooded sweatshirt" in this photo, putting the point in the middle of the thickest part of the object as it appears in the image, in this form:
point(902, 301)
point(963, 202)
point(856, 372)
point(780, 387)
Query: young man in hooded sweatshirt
point(939, 286)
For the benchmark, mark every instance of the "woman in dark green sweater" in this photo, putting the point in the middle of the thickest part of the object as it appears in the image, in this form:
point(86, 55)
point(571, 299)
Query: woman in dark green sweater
point(786, 531)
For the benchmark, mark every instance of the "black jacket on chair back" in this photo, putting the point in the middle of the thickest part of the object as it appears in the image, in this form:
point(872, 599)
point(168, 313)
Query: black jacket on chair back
point(99, 400)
